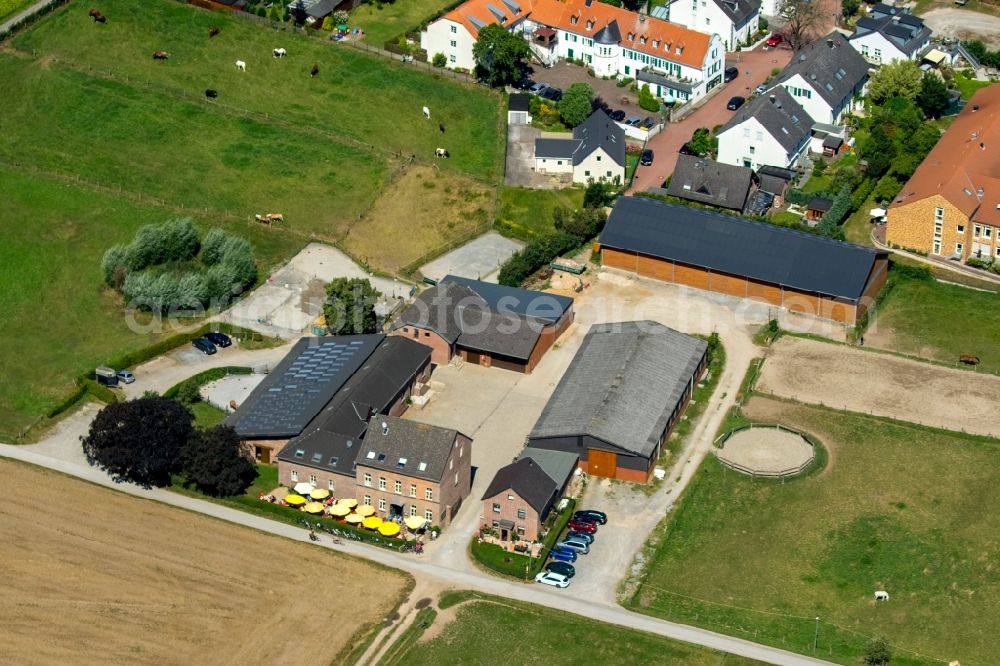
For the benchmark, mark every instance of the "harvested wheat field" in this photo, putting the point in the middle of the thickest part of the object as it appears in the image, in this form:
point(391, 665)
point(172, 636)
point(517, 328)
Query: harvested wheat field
point(92, 576)
point(849, 378)
point(424, 210)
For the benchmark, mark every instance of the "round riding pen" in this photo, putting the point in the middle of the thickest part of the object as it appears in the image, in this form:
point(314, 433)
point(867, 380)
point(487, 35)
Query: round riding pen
point(766, 450)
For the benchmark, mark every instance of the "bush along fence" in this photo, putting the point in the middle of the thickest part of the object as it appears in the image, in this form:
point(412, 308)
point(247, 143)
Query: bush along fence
point(197, 381)
point(39, 12)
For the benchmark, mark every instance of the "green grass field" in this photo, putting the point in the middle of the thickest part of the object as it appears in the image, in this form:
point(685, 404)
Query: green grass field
point(362, 97)
point(940, 322)
point(968, 87)
point(384, 21)
point(10, 7)
point(483, 630)
point(57, 318)
point(525, 213)
point(900, 508)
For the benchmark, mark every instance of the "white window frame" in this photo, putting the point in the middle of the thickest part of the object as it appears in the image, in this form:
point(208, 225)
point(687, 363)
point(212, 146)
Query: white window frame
point(294, 475)
point(397, 486)
point(368, 480)
point(312, 479)
point(429, 494)
point(429, 515)
point(381, 504)
point(381, 483)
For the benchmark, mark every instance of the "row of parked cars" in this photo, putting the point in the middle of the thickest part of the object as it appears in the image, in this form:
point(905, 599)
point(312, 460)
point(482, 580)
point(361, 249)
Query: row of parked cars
point(208, 343)
point(580, 534)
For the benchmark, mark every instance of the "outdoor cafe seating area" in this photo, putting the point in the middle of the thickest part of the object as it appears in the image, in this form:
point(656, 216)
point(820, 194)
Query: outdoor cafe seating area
point(320, 503)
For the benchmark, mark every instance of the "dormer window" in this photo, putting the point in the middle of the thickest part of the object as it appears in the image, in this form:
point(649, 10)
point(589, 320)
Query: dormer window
point(631, 36)
point(656, 43)
point(590, 25)
point(642, 40)
point(574, 19)
point(679, 50)
point(666, 46)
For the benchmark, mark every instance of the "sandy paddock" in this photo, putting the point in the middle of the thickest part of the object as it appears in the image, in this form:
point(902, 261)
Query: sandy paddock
point(766, 450)
point(92, 576)
point(849, 378)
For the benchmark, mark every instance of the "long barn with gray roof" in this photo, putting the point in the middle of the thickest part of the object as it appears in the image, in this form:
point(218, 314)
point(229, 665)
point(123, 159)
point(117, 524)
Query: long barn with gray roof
point(620, 397)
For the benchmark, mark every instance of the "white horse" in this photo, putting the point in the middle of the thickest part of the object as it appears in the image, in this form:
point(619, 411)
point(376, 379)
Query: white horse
point(279, 53)
point(427, 113)
point(881, 595)
point(441, 152)
point(240, 65)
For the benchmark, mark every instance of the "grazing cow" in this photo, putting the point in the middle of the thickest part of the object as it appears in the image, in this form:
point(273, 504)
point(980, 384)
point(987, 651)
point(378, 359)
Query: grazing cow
point(441, 127)
point(314, 71)
point(211, 94)
point(279, 53)
point(427, 113)
point(97, 15)
point(212, 32)
point(160, 55)
point(275, 217)
point(881, 595)
point(261, 218)
point(968, 360)
point(240, 65)
point(441, 152)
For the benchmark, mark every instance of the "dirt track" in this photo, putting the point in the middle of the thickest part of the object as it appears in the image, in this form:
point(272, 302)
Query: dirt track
point(861, 381)
point(92, 576)
point(964, 24)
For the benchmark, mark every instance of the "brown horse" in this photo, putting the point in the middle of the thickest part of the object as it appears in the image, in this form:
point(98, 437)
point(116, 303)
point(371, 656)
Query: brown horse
point(160, 55)
point(212, 32)
point(314, 71)
point(95, 14)
point(968, 359)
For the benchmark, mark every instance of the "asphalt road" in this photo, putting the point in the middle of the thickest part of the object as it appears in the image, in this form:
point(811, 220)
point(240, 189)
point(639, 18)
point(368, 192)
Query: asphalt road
point(425, 567)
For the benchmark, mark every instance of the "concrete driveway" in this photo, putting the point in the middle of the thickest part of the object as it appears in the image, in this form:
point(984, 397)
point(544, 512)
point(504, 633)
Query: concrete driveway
point(755, 67)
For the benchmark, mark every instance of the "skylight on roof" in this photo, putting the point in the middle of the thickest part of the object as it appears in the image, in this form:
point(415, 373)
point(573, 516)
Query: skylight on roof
point(317, 456)
point(371, 455)
point(401, 462)
point(381, 457)
point(829, 87)
point(422, 467)
point(784, 130)
point(333, 461)
point(299, 453)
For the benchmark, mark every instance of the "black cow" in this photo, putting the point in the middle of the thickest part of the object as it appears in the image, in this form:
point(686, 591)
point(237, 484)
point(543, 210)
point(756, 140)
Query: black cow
point(211, 94)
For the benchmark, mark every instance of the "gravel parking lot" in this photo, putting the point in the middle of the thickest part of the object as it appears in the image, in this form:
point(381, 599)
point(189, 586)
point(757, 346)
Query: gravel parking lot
point(479, 259)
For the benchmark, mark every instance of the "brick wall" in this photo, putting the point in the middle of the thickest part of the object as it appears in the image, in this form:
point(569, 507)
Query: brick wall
point(440, 349)
point(509, 504)
point(911, 226)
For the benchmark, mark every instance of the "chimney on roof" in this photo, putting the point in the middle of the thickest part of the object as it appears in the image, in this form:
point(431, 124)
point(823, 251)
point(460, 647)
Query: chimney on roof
point(829, 43)
point(642, 18)
point(982, 146)
point(773, 99)
point(385, 428)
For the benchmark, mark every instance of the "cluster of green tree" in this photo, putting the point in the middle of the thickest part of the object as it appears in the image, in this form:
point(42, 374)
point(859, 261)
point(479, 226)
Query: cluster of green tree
point(146, 441)
point(350, 306)
point(161, 269)
point(703, 142)
point(647, 100)
point(573, 228)
point(499, 55)
point(898, 141)
point(983, 54)
point(905, 79)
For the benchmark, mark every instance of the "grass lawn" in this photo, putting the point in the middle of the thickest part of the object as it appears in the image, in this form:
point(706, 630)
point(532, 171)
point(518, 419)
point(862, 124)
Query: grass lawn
point(206, 415)
point(858, 227)
point(939, 321)
point(10, 7)
point(480, 631)
point(817, 184)
point(902, 508)
point(53, 304)
point(524, 213)
point(384, 21)
point(784, 218)
point(631, 164)
point(968, 86)
point(359, 96)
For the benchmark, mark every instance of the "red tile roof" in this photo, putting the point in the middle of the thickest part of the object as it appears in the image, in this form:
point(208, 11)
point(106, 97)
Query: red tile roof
point(483, 11)
point(964, 166)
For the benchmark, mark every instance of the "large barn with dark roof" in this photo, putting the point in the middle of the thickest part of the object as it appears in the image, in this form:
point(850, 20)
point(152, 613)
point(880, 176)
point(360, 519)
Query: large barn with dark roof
point(795, 270)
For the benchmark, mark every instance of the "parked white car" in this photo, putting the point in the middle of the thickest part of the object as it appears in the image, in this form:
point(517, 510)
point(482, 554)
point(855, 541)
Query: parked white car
point(553, 579)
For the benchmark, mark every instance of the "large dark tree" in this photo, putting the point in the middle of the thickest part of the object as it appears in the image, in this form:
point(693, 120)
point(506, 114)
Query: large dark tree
point(139, 440)
point(216, 462)
point(574, 107)
point(802, 17)
point(350, 306)
point(933, 96)
point(499, 55)
point(299, 13)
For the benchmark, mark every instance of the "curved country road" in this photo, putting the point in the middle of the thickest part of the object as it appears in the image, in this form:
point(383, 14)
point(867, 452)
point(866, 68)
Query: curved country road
point(425, 568)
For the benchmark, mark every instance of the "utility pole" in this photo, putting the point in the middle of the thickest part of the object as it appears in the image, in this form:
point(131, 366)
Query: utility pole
point(816, 636)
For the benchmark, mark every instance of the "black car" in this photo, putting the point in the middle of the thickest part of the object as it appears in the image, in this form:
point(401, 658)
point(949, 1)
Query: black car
point(524, 84)
point(203, 345)
point(730, 74)
point(648, 123)
point(646, 159)
point(552, 94)
point(561, 568)
point(219, 339)
point(617, 115)
point(591, 516)
point(735, 103)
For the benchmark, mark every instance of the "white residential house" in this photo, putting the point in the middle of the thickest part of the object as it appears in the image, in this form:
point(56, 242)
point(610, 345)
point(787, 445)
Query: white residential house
point(770, 130)
point(735, 21)
point(595, 151)
point(888, 34)
point(613, 41)
point(825, 77)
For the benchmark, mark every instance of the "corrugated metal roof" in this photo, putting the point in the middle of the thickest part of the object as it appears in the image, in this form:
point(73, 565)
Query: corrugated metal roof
point(737, 246)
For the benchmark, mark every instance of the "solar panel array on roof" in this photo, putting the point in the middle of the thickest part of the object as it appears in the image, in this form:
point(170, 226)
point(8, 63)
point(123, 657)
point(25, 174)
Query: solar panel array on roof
point(302, 384)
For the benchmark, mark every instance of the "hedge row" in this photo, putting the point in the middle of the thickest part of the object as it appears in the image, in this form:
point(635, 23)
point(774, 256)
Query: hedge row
point(534, 255)
point(206, 376)
point(28, 20)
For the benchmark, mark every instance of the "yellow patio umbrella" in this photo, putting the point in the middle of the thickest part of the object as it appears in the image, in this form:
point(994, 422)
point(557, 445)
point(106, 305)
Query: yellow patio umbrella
point(339, 510)
point(349, 502)
point(372, 522)
point(365, 511)
point(319, 493)
point(304, 488)
point(354, 518)
point(295, 500)
point(313, 507)
point(388, 529)
point(415, 522)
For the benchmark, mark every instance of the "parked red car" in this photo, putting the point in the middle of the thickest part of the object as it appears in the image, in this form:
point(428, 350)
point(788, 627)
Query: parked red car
point(774, 39)
point(581, 526)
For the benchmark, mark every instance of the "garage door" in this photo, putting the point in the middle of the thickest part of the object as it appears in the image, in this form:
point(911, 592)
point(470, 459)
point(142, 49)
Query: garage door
point(472, 357)
point(602, 463)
